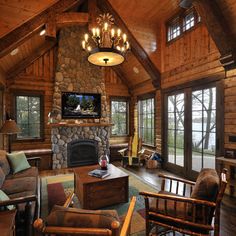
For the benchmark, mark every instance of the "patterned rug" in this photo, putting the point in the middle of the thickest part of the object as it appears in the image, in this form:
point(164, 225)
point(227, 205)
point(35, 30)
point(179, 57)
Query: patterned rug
point(55, 190)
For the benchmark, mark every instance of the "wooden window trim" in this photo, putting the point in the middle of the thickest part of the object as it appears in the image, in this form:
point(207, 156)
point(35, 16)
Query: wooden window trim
point(39, 94)
point(146, 97)
point(122, 99)
point(179, 18)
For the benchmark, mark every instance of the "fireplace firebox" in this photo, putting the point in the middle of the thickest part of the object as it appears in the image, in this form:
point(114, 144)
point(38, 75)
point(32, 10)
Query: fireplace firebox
point(82, 152)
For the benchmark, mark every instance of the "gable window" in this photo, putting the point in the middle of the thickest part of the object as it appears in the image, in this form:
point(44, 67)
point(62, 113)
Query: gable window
point(29, 116)
point(146, 124)
point(182, 23)
point(119, 116)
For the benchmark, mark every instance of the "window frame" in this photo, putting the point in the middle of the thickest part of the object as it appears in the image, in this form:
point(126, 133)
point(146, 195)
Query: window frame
point(142, 98)
point(121, 99)
point(28, 93)
point(179, 19)
point(204, 83)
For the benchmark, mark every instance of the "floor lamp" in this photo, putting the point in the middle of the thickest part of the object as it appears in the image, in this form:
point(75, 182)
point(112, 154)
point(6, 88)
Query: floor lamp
point(9, 128)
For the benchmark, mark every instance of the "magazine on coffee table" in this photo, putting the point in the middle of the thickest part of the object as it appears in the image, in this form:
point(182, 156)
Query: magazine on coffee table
point(99, 173)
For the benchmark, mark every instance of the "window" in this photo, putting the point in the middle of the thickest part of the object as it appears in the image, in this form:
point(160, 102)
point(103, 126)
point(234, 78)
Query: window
point(29, 116)
point(119, 116)
point(182, 23)
point(146, 113)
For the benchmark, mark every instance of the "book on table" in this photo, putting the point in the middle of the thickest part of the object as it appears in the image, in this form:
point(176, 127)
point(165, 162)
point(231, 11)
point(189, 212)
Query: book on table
point(99, 173)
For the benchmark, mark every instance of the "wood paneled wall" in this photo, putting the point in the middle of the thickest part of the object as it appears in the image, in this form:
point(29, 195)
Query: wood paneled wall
point(230, 108)
point(39, 76)
point(115, 87)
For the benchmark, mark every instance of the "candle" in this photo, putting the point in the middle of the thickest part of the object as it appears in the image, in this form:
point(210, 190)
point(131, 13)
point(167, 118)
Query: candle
point(89, 48)
point(124, 37)
point(98, 32)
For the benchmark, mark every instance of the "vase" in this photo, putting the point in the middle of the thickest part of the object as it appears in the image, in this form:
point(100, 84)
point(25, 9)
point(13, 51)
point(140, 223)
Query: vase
point(103, 161)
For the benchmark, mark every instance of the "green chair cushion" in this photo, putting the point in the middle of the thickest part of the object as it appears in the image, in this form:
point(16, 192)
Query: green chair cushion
point(18, 161)
point(4, 197)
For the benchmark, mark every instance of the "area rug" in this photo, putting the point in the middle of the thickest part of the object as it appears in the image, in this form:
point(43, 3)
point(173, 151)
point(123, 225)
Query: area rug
point(55, 190)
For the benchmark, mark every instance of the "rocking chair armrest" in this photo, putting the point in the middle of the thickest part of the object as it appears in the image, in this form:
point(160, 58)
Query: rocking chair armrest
point(122, 151)
point(176, 179)
point(15, 201)
point(178, 198)
point(69, 200)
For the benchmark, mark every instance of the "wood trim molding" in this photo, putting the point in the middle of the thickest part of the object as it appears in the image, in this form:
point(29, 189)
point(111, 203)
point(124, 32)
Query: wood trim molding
point(136, 48)
point(26, 30)
point(15, 70)
point(219, 30)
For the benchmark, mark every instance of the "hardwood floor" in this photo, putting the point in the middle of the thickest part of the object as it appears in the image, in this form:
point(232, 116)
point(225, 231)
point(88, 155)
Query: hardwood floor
point(228, 210)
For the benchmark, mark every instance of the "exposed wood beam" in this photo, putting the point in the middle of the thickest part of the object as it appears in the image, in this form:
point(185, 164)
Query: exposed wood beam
point(24, 31)
point(136, 48)
point(15, 70)
point(219, 30)
point(72, 18)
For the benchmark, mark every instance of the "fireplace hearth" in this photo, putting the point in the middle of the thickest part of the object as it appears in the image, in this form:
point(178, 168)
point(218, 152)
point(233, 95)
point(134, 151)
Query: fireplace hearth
point(82, 152)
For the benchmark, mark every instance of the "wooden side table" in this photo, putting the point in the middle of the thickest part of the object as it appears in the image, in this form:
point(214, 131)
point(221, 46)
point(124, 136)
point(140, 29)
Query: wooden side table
point(7, 223)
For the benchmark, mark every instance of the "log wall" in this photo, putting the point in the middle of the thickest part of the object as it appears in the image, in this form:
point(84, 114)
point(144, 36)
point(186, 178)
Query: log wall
point(38, 76)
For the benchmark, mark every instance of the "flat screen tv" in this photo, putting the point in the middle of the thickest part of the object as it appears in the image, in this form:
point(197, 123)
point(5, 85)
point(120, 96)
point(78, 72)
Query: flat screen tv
point(80, 105)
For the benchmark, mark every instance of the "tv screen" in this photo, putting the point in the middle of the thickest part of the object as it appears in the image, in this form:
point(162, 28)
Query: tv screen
point(80, 105)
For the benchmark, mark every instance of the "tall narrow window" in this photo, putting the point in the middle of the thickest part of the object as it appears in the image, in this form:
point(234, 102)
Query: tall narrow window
point(175, 134)
point(119, 116)
point(28, 116)
point(146, 123)
point(203, 128)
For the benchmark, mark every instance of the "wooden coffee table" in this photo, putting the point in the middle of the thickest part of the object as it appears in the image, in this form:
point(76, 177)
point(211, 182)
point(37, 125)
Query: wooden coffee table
point(95, 193)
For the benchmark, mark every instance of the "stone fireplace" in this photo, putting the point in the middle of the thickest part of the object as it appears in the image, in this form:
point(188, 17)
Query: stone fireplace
point(75, 74)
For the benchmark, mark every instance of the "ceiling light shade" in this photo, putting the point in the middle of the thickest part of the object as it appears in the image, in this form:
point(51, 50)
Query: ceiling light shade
point(107, 45)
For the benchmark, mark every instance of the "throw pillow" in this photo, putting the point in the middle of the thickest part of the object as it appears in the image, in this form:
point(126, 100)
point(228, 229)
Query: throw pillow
point(18, 161)
point(4, 197)
point(74, 217)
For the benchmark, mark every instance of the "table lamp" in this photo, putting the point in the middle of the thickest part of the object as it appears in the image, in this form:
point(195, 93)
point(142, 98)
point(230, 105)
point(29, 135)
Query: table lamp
point(10, 127)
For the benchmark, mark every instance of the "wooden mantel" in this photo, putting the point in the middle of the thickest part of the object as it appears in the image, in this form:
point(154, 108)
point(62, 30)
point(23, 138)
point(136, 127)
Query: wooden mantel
point(67, 124)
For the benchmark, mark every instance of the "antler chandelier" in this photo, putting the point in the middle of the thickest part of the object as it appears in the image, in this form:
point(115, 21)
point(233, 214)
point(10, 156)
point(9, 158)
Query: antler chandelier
point(107, 45)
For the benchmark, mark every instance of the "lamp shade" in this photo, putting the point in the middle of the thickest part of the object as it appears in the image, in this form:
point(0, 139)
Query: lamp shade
point(10, 127)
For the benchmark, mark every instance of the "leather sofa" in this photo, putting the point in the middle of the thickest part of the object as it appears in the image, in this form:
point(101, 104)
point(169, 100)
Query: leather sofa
point(23, 189)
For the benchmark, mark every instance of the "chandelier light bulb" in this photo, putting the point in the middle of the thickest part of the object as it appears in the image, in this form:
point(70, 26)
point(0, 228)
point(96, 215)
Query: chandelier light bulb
point(118, 32)
point(98, 32)
point(124, 37)
point(86, 37)
point(89, 48)
point(118, 48)
point(127, 45)
point(93, 31)
point(105, 26)
point(83, 44)
point(112, 33)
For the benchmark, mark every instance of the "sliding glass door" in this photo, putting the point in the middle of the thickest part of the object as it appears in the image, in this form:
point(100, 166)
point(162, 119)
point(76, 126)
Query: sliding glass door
point(190, 130)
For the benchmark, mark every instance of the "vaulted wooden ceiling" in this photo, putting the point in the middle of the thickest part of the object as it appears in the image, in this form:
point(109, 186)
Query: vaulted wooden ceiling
point(142, 18)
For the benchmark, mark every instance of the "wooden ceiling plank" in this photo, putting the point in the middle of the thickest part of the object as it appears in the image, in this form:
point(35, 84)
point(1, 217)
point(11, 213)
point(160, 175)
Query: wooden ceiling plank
point(15, 70)
point(118, 70)
point(136, 48)
point(23, 32)
point(219, 30)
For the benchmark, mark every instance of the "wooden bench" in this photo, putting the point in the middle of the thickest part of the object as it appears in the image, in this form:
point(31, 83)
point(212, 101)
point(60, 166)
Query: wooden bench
point(114, 148)
point(45, 154)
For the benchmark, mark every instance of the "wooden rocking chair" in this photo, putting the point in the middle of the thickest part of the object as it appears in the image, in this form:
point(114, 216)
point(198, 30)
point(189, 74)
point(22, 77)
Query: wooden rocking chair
point(192, 215)
point(70, 217)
